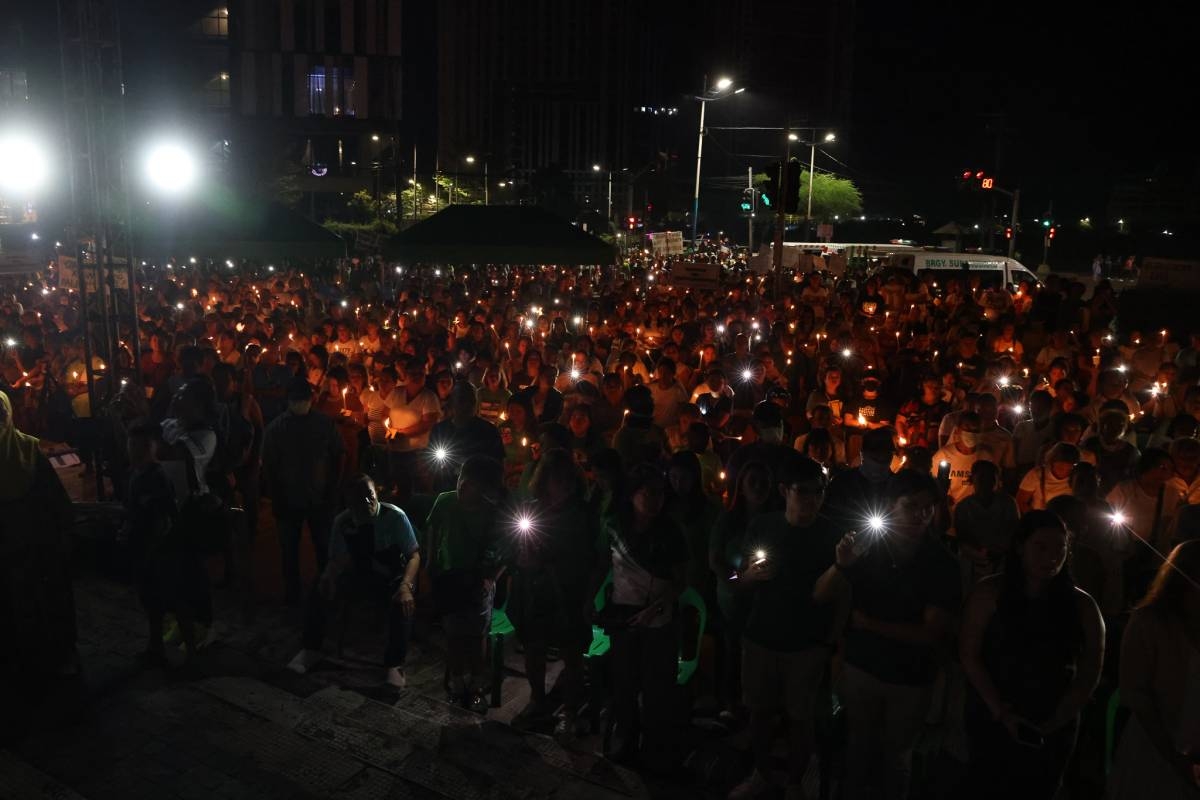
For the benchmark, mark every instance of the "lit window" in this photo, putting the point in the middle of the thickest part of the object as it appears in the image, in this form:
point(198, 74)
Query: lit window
point(216, 23)
point(331, 92)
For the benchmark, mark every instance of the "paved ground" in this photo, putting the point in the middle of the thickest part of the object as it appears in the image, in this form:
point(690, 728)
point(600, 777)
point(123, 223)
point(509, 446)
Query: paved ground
point(241, 725)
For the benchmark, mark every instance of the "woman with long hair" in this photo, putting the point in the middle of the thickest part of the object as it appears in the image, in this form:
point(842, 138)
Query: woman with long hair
point(1032, 646)
point(1159, 754)
point(649, 557)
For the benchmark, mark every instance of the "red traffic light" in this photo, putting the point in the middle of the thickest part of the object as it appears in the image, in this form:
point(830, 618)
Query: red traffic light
point(1050, 234)
point(979, 175)
point(967, 175)
point(1008, 233)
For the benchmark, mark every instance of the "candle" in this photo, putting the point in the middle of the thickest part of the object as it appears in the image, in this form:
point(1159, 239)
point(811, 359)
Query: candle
point(344, 390)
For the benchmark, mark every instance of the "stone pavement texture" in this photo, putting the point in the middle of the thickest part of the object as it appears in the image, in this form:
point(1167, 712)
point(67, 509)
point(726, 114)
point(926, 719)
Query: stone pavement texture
point(241, 726)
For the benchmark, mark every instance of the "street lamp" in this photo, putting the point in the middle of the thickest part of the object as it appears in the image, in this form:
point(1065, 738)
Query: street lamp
point(596, 168)
point(720, 92)
point(171, 168)
point(471, 160)
point(24, 165)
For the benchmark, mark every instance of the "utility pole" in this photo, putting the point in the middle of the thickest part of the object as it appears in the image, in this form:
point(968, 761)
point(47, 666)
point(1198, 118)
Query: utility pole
point(1012, 242)
point(777, 259)
point(753, 206)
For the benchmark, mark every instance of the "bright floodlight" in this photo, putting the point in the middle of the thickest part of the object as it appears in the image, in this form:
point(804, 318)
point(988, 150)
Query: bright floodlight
point(595, 167)
point(171, 168)
point(831, 136)
point(470, 159)
point(793, 137)
point(724, 83)
point(23, 164)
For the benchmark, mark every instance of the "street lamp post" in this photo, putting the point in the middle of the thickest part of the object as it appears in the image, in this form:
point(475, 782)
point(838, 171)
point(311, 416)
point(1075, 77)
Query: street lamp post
point(812, 165)
point(471, 160)
point(720, 92)
point(608, 217)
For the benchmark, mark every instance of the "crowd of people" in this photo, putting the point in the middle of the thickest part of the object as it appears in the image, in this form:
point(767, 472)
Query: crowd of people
point(932, 498)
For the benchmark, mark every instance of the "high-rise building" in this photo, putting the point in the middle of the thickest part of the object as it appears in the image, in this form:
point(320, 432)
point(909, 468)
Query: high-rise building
point(542, 91)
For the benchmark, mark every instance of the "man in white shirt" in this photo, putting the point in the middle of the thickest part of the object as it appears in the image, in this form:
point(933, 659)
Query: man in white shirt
point(958, 456)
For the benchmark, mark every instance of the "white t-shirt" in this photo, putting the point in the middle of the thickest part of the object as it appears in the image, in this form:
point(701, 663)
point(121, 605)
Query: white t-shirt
point(1138, 507)
point(960, 469)
point(404, 413)
point(1041, 483)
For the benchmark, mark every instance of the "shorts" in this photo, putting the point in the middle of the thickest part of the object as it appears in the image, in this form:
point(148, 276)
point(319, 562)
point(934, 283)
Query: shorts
point(772, 680)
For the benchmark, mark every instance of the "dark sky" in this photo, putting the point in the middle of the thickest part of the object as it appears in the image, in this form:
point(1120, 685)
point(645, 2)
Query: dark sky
point(1070, 98)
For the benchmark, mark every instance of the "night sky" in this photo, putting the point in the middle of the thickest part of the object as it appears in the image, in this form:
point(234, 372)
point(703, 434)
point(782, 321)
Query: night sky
point(1069, 98)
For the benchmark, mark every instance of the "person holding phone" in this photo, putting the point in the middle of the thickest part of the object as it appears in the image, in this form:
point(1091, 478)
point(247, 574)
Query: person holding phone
point(1032, 646)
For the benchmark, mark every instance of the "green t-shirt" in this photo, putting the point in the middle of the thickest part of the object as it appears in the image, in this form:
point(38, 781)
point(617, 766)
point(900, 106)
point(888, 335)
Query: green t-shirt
point(783, 615)
point(460, 538)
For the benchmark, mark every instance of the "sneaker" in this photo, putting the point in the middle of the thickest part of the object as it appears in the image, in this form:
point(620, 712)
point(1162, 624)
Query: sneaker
point(172, 636)
point(304, 661)
point(565, 727)
point(754, 786)
point(397, 678)
point(205, 635)
point(478, 703)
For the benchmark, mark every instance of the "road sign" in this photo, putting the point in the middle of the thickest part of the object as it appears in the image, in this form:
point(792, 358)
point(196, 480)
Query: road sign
point(692, 275)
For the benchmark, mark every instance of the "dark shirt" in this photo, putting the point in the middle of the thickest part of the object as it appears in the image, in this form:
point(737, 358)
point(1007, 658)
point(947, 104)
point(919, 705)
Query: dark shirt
point(899, 592)
point(783, 616)
point(477, 437)
point(302, 460)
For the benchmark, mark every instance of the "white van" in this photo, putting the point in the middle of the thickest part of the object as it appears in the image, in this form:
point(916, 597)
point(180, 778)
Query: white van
point(993, 270)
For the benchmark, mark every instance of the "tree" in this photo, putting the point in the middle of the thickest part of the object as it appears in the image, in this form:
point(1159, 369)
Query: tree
point(831, 196)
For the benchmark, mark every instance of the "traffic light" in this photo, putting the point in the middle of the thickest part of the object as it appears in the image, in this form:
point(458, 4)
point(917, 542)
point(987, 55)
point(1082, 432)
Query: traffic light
point(747, 200)
point(1008, 232)
point(791, 188)
point(1050, 233)
point(632, 222)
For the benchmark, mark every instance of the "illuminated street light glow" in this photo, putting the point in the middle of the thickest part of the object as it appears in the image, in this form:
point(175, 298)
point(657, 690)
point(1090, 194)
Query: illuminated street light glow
point(724, 83)
point(171, 168)
point(24, 165)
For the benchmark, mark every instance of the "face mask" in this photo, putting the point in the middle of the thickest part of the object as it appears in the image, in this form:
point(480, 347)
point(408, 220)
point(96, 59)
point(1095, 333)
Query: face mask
point(968, 438)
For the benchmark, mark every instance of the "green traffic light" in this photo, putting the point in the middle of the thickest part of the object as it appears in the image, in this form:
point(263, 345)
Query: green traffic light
point(766, 200)
point(745, 206)
point(1045, 223)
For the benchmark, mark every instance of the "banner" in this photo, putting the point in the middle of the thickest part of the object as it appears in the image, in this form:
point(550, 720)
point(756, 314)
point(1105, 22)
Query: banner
point(68, 272)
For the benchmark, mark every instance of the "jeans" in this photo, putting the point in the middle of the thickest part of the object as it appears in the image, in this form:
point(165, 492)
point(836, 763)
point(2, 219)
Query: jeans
point(290, 524)
point(368, 587)
point(883, 721)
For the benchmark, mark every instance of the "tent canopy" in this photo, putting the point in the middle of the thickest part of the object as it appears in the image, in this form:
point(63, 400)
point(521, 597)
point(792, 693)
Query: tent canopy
point(951, 229)
point(232, 228)
point(497, 235)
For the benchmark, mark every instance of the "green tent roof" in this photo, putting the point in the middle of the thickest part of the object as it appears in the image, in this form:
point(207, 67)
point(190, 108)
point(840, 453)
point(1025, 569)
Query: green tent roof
point(470, 234)
point(231, 229)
